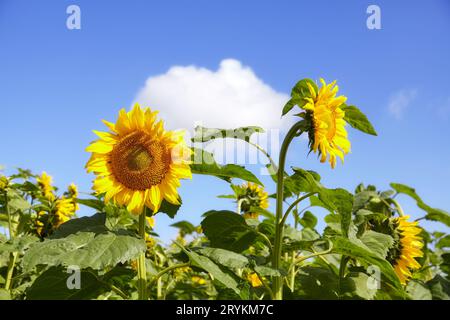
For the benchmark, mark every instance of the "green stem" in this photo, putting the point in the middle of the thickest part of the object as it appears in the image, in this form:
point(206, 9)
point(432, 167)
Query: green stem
point(342, 269)
point(168, 269)
point(315, 254)
point(159, 289)
point(400, 211)
point(295, 203)
point(142, 273)
point(257, 146)
point(13, 255)
point(266, 239)
point(276, 256)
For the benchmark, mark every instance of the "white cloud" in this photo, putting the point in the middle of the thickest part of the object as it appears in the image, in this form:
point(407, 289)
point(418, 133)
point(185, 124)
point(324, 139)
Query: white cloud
point(229, 97)
point(400, 101)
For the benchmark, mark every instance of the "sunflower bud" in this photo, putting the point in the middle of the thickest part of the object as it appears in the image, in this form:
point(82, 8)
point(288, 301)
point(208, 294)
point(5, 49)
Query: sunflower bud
point(4, 182)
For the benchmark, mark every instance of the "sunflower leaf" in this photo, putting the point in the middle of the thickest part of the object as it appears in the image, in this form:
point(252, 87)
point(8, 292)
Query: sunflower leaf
point(203, 162)
point(298, 94)
point(433, 214)
point(358, 120)
point(203, 134)
point(228, 230)
point(351, 248)
point(85, 249)
point(53, 285)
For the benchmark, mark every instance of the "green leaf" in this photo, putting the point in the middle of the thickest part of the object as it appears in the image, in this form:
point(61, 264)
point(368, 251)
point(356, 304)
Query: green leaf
point(341, 201)
point(439, 287)
point(92, 203)
point(378, 243)
point(302, 181)
point(170, 209)
point(443, 242)
point(96, 250)
point(225, 258)
point(348, 247)
point(185, 226)
point(52, 285)
point(203, 163)
point(4, 294)
point(418, 291)
point(299, 94)
point(432, 213)
point(214, 270)
point(265, 271)
point(18, 244)
point(308, 220)
point(228, 230)
point(203, 134)
point(16, 202)
point(358, 120)
point(355, 285)
point(95, 223)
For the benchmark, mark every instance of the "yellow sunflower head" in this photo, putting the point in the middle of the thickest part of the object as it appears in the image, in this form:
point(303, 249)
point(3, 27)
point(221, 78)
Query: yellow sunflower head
point(408, 246)
point(65, 209)
point(45, 183)
point(327, 135)
point(138, 163)
point(250, 195)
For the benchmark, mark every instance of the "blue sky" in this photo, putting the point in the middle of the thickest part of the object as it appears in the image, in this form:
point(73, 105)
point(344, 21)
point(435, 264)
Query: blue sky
point(57, 84)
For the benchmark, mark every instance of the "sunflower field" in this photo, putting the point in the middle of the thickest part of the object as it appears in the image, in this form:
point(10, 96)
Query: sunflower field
point(370, 248)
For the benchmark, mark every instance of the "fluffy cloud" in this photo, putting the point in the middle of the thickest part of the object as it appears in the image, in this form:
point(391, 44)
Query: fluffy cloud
point(229, 97)
point(400, 101)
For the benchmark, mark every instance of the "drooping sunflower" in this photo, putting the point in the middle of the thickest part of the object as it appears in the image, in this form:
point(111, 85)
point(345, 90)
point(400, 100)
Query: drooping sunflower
point(408, 247)
point(65, 209)
point(45, 183)
point(250, 195)
point(138, 163)
point(328, 135)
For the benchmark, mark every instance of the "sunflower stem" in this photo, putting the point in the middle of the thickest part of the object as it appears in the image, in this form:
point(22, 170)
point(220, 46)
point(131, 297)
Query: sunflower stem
point(399, 208)
point(142, 273)
point(277, 249)
point(12, 255)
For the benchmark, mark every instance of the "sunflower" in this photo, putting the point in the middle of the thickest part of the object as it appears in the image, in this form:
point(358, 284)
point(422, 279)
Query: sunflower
point(328, 135)
point(138, 163)
point(250, 195)
point(72, 189)
point(45, 183)
point(409, 246)
point(65, 209)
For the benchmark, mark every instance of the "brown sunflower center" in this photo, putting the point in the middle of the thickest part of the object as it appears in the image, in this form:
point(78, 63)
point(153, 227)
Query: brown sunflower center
point(138, 162)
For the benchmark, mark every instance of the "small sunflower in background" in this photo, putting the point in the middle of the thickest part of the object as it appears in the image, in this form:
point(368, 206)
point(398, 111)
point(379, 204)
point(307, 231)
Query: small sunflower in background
point(65, 210)
point(327, 135)
point(45, 183)
point(250, 196)
point(138, 163)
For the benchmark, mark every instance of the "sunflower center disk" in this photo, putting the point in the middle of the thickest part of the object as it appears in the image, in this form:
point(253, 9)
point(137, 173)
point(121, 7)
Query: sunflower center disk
point(138, 162)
